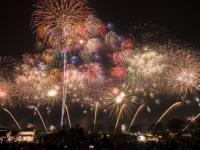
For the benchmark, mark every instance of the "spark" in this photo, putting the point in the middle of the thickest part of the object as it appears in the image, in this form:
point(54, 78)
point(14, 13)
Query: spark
point(52, 93)
point(120, 98)
point(136, 114)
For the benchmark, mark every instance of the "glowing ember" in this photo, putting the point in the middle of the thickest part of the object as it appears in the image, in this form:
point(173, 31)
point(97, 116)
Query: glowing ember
point(52, 93)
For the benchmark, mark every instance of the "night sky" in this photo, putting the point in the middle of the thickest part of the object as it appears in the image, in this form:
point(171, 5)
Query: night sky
point(182, 18)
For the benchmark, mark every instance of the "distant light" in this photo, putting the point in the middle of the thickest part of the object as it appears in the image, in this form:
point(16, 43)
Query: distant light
point(197, 99)
point(157, 101)
point(152, 95)
point(85, 112)
point(188, 102)
point(123, 128)
point(108, 136)
point(141, 138)
point(52, 93)
point(65, 146)
point(148, 109)
point(91, 146)
point(30, 125)
point(52, 128)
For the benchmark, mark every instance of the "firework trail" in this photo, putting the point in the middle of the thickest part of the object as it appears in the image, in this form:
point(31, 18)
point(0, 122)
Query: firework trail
point(6, 110)
point(192, 121)
point(41, 118)
point(172, 107)
point(68, 116)
point(136, 114)
point(64, 90)
point(119, 116)
point(95, 115)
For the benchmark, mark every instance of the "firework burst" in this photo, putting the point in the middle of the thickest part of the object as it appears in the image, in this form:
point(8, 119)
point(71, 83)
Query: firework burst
point(183, 72)
point(94, 27)
point(35, 86)
point(56, 20)
point(118, 97)
point(144, 65)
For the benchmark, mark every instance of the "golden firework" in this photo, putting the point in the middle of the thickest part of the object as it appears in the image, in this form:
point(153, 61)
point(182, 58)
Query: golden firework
point(56, 20)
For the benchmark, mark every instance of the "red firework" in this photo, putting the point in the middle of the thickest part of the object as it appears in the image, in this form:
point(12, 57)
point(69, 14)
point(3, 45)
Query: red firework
point(127, 44)
point(117, 58)
point(118, 72)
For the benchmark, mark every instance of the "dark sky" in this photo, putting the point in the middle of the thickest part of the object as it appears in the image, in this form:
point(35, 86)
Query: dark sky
point(181, 17)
